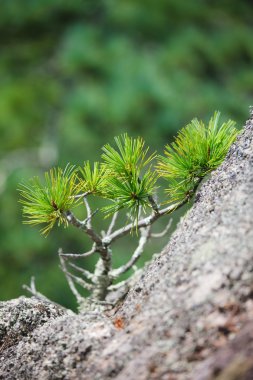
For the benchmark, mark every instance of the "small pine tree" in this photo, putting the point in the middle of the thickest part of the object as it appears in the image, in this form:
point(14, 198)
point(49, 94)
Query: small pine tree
point(127, 178)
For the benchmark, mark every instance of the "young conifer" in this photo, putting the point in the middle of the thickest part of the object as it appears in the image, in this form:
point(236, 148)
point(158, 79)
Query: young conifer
point(127, 178)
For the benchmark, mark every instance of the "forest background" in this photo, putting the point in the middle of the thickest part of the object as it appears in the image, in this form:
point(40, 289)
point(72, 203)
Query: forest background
point(74, 74)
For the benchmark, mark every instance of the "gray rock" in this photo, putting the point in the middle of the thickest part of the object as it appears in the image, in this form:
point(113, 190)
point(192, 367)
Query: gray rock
point(19, 317)
point(192, 299)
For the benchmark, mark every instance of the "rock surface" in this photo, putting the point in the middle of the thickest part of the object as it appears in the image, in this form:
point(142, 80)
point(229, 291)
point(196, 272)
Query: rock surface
point(191, 301)
point(19, 317)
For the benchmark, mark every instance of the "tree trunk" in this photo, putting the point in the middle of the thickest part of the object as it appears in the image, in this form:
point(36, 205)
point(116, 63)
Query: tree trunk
point(188, 317)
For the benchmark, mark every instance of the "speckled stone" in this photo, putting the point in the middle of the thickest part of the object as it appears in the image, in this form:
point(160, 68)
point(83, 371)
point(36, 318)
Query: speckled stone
point(192, 299)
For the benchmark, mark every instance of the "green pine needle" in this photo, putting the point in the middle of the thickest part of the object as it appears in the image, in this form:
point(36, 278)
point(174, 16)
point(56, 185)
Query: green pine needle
point(130, 180)
point(178, 189)
point(93, 180)
point(131, 193)
point(129, 158)
point(196, 151)
point(126, 176)
point(47, 203)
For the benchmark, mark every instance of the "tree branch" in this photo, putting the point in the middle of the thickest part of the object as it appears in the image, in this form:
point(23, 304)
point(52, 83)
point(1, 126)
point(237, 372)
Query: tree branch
point(145, 234)
point(125, 283)
point(112, 224)
point(78, 255)
point(153, 203)
point(32, 289)
point(83, 195)
point(163, 233)
point(89, 214)
point(78, 296)
point(83, 226)
point(85, 272)
point(145, 222)
point(78, 280)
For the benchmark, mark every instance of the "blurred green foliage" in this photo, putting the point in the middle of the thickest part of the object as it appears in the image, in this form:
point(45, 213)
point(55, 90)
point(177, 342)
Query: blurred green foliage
point(75, 74)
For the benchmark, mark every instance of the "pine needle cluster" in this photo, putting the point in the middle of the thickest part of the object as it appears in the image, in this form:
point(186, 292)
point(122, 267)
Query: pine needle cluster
point(127, 176)
point(46, 203)
point(93, 180)
point(196, 151)
point(130, 178)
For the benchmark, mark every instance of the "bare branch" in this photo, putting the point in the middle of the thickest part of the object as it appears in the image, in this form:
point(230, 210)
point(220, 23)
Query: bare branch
point(92, 214)
point(89, 214)
point(78, 296)
point(145, 222)
point(112, 224)
point(85, 272)
point(78, 255)
point(32, 285)
point(83, 226)
point(32, 289)
point(145, 233)
point(81, 195)
point(77, 279)
point(153, 203)
point(163, 233)
point(121, 284)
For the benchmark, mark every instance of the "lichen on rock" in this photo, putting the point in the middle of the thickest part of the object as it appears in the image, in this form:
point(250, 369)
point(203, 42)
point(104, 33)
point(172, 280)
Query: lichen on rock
point(193, 299)
point(19, 317)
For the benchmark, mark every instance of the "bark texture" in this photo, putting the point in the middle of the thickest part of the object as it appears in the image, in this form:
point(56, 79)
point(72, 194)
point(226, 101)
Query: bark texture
point(188, 317)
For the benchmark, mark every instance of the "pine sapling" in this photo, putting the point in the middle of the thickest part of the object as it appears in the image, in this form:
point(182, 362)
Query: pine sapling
point(127, 178)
